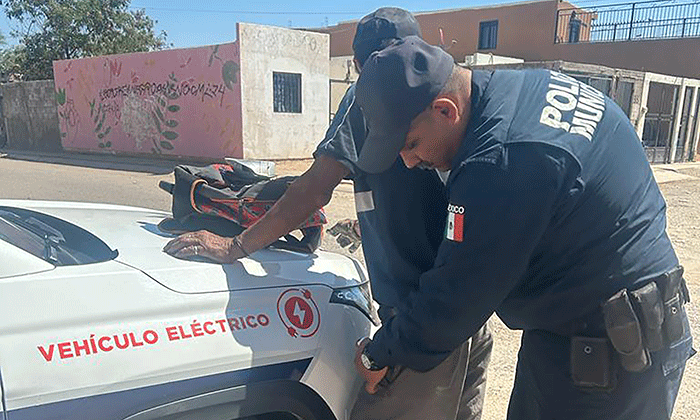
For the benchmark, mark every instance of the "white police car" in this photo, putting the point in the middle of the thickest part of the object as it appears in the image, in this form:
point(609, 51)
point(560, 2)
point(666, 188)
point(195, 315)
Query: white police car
point(96, 322)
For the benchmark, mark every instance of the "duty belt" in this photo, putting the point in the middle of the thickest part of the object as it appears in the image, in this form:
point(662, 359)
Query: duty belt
point(631, 324)
point(646, 319)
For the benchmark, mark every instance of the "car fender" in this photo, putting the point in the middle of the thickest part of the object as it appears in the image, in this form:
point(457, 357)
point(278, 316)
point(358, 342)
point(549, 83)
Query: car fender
point(286, 396)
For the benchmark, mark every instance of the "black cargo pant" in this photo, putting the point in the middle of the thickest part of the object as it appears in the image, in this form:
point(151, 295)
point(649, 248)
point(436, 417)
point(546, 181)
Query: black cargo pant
point(452, 390)
point(544, 389)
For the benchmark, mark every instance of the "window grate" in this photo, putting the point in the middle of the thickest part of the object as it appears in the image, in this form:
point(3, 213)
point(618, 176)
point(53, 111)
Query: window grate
point(287, 92)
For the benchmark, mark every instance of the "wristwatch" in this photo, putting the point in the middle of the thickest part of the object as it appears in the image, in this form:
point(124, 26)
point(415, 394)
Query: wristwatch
point(367, 361)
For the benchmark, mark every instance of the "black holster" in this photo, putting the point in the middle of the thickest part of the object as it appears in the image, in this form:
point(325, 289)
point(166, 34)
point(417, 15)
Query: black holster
point(651, 314)
point(625, 332)
point(673, 296)
point(646, 319)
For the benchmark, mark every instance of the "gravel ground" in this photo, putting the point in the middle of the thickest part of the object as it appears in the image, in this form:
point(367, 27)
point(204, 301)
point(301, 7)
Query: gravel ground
point(683, 200)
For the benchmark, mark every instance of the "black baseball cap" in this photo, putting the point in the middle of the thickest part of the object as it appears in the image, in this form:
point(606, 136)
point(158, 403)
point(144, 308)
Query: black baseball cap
point(380, 25)
point(396, 84)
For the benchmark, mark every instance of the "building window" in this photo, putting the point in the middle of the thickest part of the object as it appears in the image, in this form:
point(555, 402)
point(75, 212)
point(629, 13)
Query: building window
point(488, 35)
point(287, 92)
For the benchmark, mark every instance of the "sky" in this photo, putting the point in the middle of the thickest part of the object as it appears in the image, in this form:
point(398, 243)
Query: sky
point(196, 23)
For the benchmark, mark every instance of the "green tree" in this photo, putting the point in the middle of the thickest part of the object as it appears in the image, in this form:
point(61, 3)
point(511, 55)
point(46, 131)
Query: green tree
point(8, 59)
point(10, 63)
point(65, 29)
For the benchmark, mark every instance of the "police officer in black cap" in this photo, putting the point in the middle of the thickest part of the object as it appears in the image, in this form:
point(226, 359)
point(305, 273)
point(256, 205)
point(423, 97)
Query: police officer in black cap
point(401, 231)
point(555, 222)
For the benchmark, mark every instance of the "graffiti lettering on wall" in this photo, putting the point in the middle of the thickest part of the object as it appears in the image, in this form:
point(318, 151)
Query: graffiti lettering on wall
point(147, 112)
point(169, 89)
point(162, 102)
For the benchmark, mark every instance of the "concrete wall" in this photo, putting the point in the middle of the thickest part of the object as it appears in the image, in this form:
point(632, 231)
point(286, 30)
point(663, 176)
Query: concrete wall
point(528, 30)
point(263, 50)
point(29, 113)
point(181, 102)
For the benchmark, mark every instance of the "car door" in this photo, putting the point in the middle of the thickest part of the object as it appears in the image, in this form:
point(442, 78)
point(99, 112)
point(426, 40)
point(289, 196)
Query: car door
point(105, 341)
point(2, 397)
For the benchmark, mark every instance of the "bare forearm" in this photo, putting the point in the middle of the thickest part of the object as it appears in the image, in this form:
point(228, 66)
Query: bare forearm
point(291, 210)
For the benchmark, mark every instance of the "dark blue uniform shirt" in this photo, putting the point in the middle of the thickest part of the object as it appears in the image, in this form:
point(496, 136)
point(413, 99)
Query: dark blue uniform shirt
point(401, 212)
point(552, 209)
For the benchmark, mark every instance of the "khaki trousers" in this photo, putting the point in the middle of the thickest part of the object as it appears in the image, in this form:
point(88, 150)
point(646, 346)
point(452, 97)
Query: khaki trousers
point(452, 390)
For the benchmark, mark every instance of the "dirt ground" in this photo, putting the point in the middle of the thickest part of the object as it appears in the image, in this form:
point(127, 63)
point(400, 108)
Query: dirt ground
point(683, 199)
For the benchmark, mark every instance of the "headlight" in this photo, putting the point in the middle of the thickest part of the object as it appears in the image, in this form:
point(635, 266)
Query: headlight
point(359, 297)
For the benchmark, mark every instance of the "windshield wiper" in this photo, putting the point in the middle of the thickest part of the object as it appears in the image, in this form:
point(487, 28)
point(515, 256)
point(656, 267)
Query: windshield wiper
point(52, 237)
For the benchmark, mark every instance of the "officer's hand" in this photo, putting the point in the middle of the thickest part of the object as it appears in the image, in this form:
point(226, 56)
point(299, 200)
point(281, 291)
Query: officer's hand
point(347, 234)
point(203, 244)
point(371, 377)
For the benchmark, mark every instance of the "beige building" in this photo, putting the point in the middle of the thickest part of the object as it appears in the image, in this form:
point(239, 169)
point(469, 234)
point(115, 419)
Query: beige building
point(276, 62)
point(541, 30)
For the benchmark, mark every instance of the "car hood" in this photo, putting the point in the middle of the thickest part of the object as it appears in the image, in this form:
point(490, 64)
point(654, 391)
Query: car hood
point(134, 233)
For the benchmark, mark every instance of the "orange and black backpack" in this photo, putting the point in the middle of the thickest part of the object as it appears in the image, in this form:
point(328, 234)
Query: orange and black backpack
point(225, 199)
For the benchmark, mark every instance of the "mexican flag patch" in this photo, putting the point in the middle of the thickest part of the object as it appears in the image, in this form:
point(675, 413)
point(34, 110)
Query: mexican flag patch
point(454, 229)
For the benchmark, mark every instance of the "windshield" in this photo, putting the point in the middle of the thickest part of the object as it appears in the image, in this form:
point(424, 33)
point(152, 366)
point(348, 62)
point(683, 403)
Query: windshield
point(51, 239)
point(21, 238)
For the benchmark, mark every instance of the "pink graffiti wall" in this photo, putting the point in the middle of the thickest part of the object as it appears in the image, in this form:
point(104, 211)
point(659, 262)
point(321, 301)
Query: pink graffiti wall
point(184, 102)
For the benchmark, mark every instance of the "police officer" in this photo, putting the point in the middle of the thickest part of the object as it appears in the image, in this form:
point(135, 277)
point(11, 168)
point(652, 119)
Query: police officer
point(554, 222)
point(401, 231)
